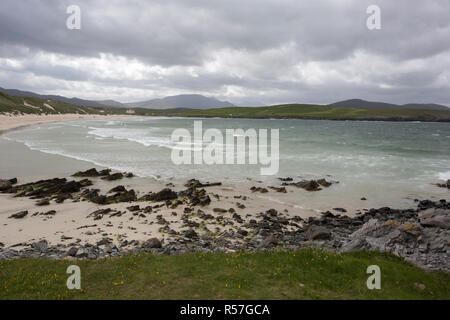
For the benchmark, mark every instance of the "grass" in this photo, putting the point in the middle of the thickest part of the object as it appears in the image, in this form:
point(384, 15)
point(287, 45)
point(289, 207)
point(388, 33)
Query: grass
point(305, 274)
point(15, 104)
point(306, 111)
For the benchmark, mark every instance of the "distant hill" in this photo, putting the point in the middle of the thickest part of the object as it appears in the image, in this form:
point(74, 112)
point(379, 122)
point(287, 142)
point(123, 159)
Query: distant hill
point(363, 104)
point(75, 101)
point(191, 101)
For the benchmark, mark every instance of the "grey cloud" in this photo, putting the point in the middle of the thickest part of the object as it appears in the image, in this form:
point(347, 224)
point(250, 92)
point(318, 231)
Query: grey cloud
point(193, 33)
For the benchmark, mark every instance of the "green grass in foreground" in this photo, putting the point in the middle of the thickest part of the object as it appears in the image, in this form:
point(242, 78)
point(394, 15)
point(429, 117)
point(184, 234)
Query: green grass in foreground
point(276, 275)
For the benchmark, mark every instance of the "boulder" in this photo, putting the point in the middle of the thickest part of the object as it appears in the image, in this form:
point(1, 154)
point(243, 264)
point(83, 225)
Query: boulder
point(5, 185)
point(40, 245)
point(439, 218)
point(318, 233)
point(152, 243)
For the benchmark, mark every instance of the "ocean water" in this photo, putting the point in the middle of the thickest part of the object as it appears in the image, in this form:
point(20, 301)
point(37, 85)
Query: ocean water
point(383, 160)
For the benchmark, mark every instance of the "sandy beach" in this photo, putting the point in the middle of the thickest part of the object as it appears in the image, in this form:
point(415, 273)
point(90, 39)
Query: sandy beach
point(89, 216)
point(10, 122)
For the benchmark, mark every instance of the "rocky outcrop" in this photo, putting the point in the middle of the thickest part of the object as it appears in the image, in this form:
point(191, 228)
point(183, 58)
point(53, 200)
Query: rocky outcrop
point(439, 218)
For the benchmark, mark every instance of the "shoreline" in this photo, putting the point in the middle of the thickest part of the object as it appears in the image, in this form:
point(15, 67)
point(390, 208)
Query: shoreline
point(70, 218)
point(105, 223)
point(11, 123)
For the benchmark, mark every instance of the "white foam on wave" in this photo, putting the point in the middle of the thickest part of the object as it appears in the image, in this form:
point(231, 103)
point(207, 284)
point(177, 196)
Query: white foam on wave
point(444, 175)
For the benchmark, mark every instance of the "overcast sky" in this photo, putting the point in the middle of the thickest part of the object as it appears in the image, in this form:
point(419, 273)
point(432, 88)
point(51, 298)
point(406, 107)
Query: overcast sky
point(248, 52)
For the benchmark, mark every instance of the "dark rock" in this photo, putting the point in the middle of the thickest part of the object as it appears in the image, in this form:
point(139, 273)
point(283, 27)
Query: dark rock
point(340, 209)
point(134, 208)
point(5, 185)
point(152, 243)
point(19, 215)
point(444, 185)
point(88, 173)
point(163, 195)
point(49, 213)
point(112, 177)
point(117, 189)
point(194, 183)
point(219, 210)
point(259, 189)
point(318, 233)
point(41, 246)
point(279, 189)
point(324, 183)
point(191, 234)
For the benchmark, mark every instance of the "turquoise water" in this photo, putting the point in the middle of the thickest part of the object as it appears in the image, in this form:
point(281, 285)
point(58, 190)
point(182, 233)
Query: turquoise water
point(384, 159)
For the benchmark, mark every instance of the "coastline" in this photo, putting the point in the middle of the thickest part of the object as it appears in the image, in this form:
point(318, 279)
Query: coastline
point(9, 123)
point(236, 218)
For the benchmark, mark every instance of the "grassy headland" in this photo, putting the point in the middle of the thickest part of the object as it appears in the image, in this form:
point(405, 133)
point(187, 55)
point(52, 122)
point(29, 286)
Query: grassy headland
point(305, 274)
point(30, 105)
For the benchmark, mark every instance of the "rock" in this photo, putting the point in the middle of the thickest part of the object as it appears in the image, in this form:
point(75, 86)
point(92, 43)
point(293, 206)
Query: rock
point(259, 189)
point(318, 233)
point(153, 243)
point(5, 185)
point(134, 208)
point(112, 177)
point(19, 215)
point(444, 185)
point(163, 195)
point(324, 183)
point(363, 198)
point(435, 218)
point(41, 246)
point(43, 202)
point(49, 213)
point(88, 173)
point(340, 209)
point(104, 241)
point(117, 189)
point(286, 179)
point(219, 210)
point(279, 189)
point(191, 234)
point(268, 242)
point(81, 253)
point(194, 183)
point(308, 185)
point(129, 175)
point(242, 232)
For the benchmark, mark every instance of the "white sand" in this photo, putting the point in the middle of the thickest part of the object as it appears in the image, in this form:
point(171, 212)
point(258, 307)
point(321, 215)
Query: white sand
point(12, 122)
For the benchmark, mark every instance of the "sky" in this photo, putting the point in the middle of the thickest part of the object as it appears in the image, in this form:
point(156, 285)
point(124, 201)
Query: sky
point(248, 52)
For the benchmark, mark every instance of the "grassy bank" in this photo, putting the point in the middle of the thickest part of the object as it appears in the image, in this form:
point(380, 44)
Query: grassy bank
point(306, 111)
point(281, 275)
